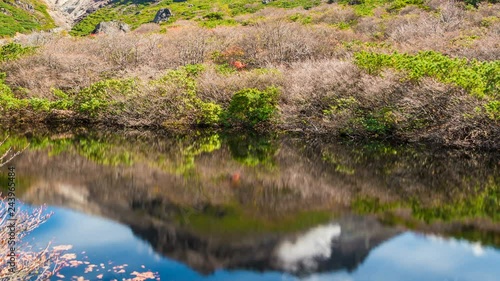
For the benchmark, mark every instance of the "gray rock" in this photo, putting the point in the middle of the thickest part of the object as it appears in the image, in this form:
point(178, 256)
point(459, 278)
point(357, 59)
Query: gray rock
point(162, 15)
point(111, 27)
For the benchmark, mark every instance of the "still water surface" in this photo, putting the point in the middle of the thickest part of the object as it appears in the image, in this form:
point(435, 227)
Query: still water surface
point(243, 207)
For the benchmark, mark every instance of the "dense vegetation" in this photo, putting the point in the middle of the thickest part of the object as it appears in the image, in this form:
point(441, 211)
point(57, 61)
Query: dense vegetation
point(406, 71)
point(23, 17)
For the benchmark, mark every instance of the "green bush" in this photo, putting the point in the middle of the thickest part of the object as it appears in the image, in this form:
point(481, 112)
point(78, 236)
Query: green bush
point(303, 19)
point(475, 3)
point(63, 101)
point(493, 109)
point(477, 77)
point(399, 4)
point(249, 107)
point(12, 51)
point(7, 99)
point(104, 95)
point(341, 105)
point(214, 16)
point(181, 85)
point(209, 113)
point(380, 122)
point(183, 78)
point(306, 4)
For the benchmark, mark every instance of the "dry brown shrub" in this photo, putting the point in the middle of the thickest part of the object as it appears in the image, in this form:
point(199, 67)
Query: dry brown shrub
point(485, 48)
point(484, 11)
point(309, 85)
point(74, 63)
point(494, 29)
point(191, 44)
point(313, 80)
point(275, 42)
point(411, 9)
point(65, 63)
point(333, 14)
point(452, 16)
point(434, 4)
point(38, 38)
point(120, 51)
point(147, 28)
point(421, 110)
point(281, 42)
point(370, 26)
point(272, 13)
point(413, 27)
point(226, 38)
point(330, 41)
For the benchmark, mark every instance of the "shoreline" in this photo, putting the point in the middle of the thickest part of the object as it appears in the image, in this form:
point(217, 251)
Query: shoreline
point(84, 125)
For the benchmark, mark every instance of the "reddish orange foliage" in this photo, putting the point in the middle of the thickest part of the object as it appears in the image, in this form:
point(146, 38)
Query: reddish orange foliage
point(239, 65)
point(235, 180)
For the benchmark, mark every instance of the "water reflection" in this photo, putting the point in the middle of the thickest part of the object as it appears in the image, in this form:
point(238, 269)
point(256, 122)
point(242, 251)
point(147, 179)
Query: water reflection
point(309, 249)
point(272, 204)
point(360, 254)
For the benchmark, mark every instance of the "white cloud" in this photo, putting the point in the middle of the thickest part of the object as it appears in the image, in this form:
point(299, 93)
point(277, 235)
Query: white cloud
point(316, 243)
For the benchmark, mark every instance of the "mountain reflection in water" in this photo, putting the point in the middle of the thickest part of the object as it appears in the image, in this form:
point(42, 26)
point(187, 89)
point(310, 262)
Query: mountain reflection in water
point(264, 207)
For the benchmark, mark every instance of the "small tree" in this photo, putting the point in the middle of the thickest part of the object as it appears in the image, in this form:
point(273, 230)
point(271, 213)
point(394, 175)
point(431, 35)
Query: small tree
point(250, 107)
point(8, 155)
point(18, 260)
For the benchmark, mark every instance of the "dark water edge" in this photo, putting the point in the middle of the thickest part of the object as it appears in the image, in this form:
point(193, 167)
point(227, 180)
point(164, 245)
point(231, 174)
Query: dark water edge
point(229, 201)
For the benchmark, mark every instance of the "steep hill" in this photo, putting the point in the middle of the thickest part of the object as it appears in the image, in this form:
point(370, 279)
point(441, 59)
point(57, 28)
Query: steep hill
point(68, 12)
point(24, 16)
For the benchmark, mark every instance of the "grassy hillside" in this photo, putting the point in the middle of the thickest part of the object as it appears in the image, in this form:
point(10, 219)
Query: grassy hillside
point(207, 13)
point(228, 12)
point(23, 17)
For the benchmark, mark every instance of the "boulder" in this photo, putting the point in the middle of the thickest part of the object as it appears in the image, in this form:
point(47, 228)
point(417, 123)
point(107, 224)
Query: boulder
point(162, 15)
point(111, 27)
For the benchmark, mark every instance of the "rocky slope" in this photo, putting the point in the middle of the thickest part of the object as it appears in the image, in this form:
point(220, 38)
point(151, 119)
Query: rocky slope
point(67, 12)
point(26, 16)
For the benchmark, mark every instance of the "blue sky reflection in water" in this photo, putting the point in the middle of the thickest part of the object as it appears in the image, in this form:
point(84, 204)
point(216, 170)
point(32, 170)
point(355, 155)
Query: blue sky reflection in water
point(221, 207)
point(407, 256)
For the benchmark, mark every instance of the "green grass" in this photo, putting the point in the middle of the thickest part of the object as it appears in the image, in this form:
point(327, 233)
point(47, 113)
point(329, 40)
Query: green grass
point(23, 21)
point(366, 7)
point(306, 4)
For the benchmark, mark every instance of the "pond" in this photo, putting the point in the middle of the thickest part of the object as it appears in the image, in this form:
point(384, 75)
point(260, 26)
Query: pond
point(220, 206)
